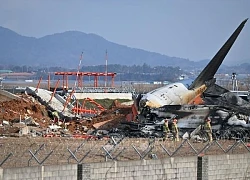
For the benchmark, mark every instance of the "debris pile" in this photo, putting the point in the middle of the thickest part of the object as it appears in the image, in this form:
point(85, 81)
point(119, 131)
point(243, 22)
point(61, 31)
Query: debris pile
point(32, 115)
point(18, 113)
point(27, 115)
point(19, 109)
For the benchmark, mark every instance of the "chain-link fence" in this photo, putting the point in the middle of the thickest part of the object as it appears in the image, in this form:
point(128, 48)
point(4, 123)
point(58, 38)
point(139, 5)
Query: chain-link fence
point(21, 152)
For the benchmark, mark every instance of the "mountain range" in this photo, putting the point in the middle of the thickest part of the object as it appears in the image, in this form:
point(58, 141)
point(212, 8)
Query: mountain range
point(64, 50)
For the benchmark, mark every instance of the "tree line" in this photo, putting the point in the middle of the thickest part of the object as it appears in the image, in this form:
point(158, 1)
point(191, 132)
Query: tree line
point(123, 72)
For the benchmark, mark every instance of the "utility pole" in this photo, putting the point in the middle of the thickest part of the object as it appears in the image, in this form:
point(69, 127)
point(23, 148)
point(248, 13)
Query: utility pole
point(234, 82)
point(78, 69)
point(106, 69)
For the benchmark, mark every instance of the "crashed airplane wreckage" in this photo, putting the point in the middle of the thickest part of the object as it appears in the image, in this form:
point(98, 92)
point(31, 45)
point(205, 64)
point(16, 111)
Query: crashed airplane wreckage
point(192, 104)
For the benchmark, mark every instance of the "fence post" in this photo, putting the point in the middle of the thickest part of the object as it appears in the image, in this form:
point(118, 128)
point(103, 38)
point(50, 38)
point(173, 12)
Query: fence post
point(79, 171)
point(1, 173)
point(199, 168)
point(202, 168)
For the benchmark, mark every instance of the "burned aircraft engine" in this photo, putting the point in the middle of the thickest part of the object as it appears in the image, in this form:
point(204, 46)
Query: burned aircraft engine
point(141, 129)
point(219, 96)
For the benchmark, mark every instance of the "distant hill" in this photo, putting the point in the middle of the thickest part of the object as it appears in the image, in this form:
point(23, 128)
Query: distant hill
point(64, 49)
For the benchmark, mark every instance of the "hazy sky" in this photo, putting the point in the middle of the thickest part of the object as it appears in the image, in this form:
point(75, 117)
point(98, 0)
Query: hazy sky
point(193, 29)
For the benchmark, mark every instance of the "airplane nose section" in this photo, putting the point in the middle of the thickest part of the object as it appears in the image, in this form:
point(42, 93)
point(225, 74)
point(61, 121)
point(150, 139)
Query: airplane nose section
point(151, 101)
point(143, 103)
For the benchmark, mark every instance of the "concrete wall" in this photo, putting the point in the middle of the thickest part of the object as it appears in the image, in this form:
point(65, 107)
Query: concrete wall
point(229, 167)
point(103, 95)
point(8, 94)
point(62, 172)
point(183, 168)
point(168, 168)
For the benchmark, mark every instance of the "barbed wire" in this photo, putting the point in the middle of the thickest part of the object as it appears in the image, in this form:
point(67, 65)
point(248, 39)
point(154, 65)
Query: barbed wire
point(21, 152)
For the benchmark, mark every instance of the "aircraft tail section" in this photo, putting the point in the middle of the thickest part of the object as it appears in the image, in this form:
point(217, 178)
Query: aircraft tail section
point(212, 67)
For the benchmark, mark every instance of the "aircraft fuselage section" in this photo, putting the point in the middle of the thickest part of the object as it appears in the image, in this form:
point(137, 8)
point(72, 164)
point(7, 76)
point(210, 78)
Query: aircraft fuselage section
point(172, 94)
point(178, 93)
